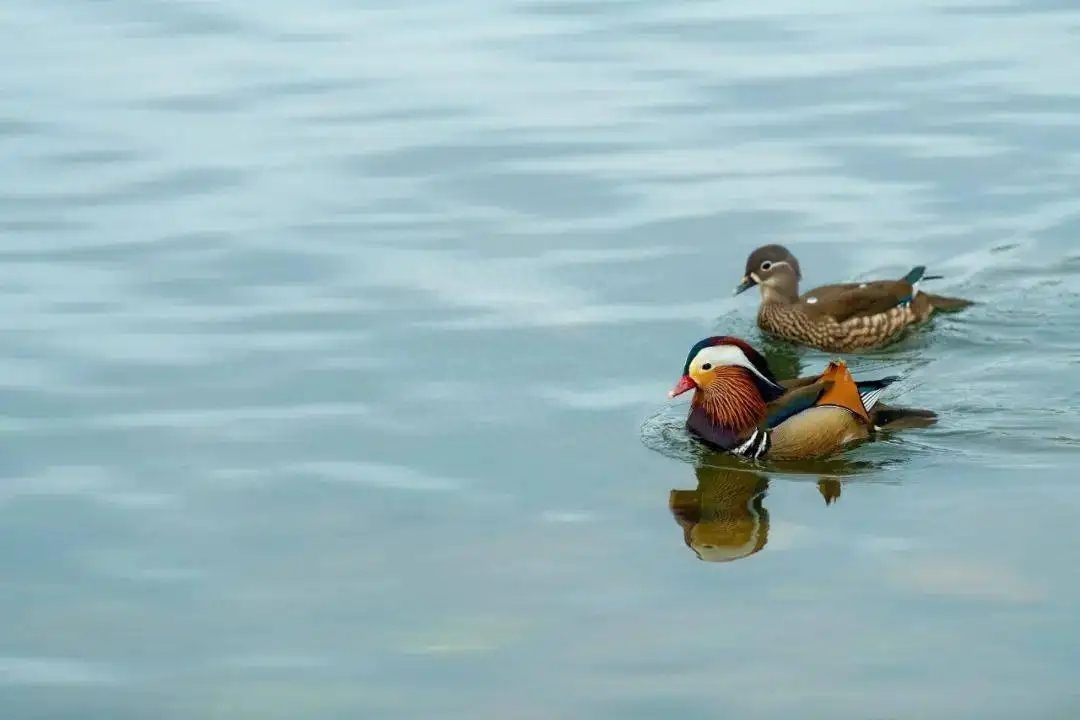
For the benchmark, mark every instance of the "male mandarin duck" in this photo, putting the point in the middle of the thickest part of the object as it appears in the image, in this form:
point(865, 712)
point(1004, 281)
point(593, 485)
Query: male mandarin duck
point(741, 408)
point(840, 318)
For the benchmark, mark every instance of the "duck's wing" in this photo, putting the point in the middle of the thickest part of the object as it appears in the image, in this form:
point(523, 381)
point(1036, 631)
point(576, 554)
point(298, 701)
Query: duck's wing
point(827, 293)
point(835, 386)
point(845, 393)
point(864, 299)
point(794, 402)
point(796, 383)
point(869, 390)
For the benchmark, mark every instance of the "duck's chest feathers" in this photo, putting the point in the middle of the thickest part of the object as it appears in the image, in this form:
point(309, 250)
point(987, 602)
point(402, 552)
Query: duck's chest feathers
point(752, 443)
point(729, 414)
point(790, 321)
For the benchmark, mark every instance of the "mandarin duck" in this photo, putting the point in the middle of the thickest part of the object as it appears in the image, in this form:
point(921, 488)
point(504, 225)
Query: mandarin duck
point(740, 407)
point(840, 318)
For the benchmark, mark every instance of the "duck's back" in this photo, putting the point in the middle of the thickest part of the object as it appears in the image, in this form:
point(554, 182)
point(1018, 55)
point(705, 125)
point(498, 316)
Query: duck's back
point(849, 301)
point(826, 294)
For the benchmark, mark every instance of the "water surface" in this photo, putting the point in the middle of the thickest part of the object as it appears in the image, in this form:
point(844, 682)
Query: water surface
point(338, 338)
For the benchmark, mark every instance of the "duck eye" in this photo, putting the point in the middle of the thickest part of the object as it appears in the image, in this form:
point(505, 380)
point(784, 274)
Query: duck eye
point(766, 266)
point(707, 366)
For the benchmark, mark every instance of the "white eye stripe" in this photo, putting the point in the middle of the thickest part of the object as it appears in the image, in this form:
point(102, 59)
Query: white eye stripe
point(727, 355)
point(770, 266)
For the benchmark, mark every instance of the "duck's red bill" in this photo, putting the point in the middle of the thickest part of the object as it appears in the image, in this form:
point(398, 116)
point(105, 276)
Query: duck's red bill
point(685, 383)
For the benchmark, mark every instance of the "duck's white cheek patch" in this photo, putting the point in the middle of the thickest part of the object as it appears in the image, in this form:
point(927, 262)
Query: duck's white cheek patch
point(811, 300)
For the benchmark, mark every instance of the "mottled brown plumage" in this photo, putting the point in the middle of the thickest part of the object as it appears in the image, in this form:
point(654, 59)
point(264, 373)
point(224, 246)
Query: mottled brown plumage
point(840, 318)
point(801, 419)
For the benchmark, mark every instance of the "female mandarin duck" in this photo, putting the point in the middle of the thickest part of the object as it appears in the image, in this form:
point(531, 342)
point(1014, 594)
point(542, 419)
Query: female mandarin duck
point(837, 318)
point(740, 407)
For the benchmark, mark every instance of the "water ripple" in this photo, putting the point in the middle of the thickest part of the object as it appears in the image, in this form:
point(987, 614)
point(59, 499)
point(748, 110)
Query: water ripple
point(306, 308)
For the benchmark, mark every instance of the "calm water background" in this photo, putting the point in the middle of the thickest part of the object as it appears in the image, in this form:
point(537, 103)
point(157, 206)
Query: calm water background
point(337, 339)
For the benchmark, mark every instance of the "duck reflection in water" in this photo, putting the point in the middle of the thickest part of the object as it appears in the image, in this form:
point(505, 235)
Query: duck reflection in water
point(724, 518)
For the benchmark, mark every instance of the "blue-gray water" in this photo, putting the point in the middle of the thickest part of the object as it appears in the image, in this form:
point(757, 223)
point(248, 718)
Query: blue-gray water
point(337, 339)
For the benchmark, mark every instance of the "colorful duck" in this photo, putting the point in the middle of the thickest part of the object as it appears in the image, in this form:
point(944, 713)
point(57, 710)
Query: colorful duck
point(740, 407)
point(838, 318)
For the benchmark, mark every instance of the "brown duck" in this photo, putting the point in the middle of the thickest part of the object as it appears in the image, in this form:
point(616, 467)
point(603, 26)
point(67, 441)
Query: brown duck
point(838, 318)
point(741, 408)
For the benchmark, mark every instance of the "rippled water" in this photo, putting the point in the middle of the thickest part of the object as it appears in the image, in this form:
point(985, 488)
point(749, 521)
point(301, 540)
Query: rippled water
point(338, 339)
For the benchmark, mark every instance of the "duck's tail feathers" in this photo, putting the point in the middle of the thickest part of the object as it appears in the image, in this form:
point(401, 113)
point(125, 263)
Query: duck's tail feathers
point(870, 390)
point(892, 418)
point(940, 302)
point(948, 304)
point(915, 276)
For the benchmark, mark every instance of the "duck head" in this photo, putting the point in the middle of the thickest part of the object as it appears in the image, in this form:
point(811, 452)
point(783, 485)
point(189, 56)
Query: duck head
point(775, 270)
point(732, 384)
point(713, 360)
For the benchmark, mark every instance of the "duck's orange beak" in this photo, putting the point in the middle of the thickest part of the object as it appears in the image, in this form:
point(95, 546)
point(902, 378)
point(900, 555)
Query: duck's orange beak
point(685, 383)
